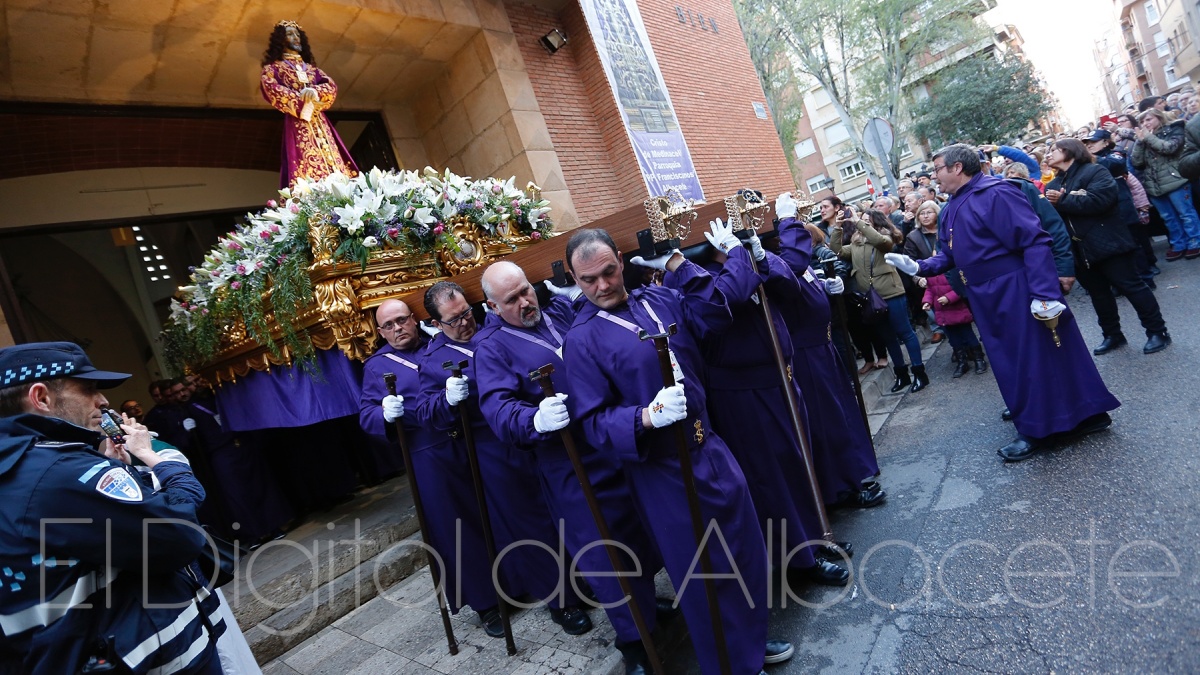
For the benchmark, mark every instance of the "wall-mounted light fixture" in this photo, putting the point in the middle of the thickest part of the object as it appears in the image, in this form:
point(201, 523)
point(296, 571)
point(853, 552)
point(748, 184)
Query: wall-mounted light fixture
point(554, 40)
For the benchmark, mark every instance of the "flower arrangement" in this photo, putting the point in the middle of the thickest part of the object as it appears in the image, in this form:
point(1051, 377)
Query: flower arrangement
point(261, 269)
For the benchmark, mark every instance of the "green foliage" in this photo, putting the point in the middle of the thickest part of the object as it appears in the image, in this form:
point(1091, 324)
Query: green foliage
point(982, 100)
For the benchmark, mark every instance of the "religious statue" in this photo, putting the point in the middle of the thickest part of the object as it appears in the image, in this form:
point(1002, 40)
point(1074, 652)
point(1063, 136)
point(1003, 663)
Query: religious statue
point(293, 84)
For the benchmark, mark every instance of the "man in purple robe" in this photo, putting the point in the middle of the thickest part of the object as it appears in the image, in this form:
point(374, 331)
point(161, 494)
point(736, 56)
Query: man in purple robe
point(526, 338)
point(518, 513)
point(447, 490)
point(991, 234)
point(749, 409)
point(844, 458)
point(624, 410)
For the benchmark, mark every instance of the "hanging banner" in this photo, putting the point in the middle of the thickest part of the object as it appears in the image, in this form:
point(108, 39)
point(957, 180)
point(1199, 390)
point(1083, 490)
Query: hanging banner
point(637, 83)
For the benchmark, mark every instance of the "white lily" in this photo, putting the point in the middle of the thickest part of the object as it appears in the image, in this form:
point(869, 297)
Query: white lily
point(424, 216)
point(350, 217)
point(370, 242)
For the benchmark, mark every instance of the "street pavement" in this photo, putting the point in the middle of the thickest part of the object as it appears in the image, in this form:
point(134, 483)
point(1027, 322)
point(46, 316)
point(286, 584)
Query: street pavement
point(1080, 560)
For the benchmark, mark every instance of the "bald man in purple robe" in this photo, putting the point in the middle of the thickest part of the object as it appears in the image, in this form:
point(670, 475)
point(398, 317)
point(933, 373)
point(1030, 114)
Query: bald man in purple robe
point(517, 511)
point(992, 235)
point(526, 338)
point(624, 410)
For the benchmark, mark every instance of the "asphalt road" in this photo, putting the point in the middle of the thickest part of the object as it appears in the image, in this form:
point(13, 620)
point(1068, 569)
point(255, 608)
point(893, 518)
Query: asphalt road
point(1083, 559)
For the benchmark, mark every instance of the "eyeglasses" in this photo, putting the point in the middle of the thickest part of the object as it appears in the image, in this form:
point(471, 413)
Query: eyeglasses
point(937, 168)
point(454, 323)
point(395, 323)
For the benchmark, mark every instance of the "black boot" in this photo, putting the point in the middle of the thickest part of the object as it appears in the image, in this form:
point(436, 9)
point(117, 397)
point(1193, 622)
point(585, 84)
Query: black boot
point(980, 362)
point(1110, 343)
point(902, 380)
point(962, 367)
point(922, 380)
point(1156, 342)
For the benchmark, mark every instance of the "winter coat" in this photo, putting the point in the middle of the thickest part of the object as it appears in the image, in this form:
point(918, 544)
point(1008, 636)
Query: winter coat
point(955, 312)
point(1093, 218)
point(1189, 163)
point(1052, 223)
point(1157, 158)
point(865, 273)
point(917, 247)
point(1114, 161)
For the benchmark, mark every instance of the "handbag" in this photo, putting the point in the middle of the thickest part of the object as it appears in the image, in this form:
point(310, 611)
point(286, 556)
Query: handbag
point(872, 305)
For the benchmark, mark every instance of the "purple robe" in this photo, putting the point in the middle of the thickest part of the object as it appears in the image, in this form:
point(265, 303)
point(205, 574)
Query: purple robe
point(613, 375)
point(311, 148)
point(842, 452)
point(749, 409)
point(509, 400)
point(992, 235)
point(447, 491)
point(517, 510)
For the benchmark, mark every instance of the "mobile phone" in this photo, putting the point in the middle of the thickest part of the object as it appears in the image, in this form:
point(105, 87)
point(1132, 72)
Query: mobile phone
point(645, 243)
point(560, 274)
point(110, 424)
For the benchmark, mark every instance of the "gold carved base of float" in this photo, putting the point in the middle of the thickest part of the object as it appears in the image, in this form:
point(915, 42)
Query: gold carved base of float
point(345, 296)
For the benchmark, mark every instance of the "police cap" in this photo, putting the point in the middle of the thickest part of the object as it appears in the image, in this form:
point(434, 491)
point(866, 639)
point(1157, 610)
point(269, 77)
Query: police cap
point(36, 361)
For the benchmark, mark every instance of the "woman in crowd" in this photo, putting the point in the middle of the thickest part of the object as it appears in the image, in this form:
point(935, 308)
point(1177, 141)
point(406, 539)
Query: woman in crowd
point(868, 341)
point(870, 271)
point(1130, 208)
point(1087, 196)
point(1156, 155)
point(920, 244)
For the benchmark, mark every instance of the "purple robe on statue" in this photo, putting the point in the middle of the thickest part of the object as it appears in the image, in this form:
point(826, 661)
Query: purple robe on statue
point(517, 510)
point(991, 234)
point(509, 400)
point(614, 375)
point(842, 451)
point(447, 491)
point(749, 409)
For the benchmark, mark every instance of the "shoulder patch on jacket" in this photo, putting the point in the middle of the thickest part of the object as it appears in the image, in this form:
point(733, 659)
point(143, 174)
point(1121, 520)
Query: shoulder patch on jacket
point(118, 484)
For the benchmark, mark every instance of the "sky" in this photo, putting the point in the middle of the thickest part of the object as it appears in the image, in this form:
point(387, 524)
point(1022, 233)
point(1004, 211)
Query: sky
point(1059, 37)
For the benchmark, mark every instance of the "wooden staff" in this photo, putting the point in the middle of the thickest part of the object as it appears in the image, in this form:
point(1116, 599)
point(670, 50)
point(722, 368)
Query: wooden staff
point(840, 309)
point(793, 404)
point(541, 376)
point(689, 485)
point(489, 540)
point(434, 570)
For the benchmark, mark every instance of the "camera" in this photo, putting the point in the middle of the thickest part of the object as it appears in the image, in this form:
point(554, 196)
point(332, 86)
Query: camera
point(110, 424)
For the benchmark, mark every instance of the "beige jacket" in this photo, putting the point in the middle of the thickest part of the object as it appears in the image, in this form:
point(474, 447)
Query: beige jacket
point(885, 279)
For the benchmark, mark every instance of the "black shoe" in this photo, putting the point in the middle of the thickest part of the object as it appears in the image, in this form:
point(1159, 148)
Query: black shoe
point(835, 552)
point(778, 651)
point(921, 379)
point(665, 610)
point(980, 362)
point(902, 380)
point(962, 367)
point(869, 495)
point(826, 574)
point(1110, 343)
point(1091, 425)
point(1006, 415)
point(1156, 342)
point(490, 618)
point(1022, 448)
point(574, 621)
point(636, 661)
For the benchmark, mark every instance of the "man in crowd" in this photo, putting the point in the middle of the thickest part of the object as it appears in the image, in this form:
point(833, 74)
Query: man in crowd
point(95, 562)
point(516, 508)
point(991, 234)
point(524, 338)
point(439, 465)
point(624, 410)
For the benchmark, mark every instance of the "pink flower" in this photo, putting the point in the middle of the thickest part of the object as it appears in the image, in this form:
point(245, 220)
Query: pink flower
point(274, 229)
point(393, 232)
point(272, 203)
point(265, 235)
point(515, 204)
point(439, 229)
point(496, 189)
point(240, 269)
point(204, 311)
point(535, 235)
point(258, 265)
point(280, 259)
point(478, 204)
point(235, 284)
point(294, 208)
point(516, 212)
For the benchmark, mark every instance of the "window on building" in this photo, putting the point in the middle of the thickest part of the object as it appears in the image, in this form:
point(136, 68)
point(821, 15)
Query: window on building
point(1173, 77)
point(804, 148)
point(851, 170)
point(821, 98)
point(903, 149)
point(1161, 45)
point(816, 184)
point(836, 133)
point(1151, 12)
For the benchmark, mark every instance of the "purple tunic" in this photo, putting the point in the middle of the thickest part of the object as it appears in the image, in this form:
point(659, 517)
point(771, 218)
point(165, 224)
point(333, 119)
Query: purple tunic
point(506, 355)
point(749, 409)
point(515, 504)
point(989, 231)
point(842, 451)
point(613, 375)
point(447, 491)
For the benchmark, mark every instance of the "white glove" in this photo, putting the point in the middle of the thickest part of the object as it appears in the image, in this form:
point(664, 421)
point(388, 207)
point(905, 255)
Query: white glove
point(658, 263)
point(668, 407)
point(756, 249)
point(785, 206)
point(428, 330)
point(456, 389)
point(569, 292)
point(552, 414)
point(393, 408)
point(1046, 309)
point(835, 286)
point(722, 237)
point(189, 424)
point(903, 263)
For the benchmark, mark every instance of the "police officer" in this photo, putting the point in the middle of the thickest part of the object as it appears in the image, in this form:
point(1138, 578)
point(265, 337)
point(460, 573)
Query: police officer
point(98, 569)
